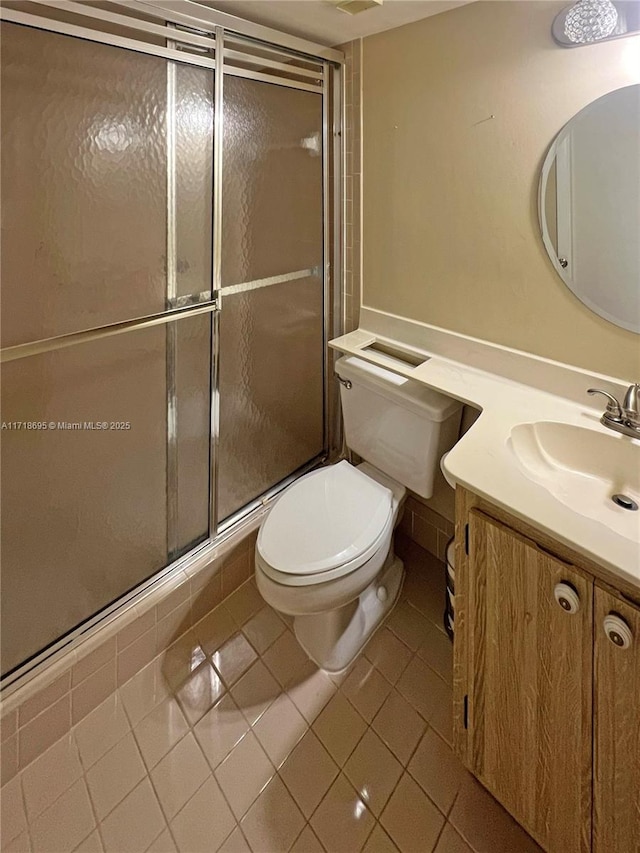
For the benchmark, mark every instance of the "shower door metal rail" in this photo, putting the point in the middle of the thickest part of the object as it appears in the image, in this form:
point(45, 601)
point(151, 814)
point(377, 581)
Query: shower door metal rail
point(191, 34)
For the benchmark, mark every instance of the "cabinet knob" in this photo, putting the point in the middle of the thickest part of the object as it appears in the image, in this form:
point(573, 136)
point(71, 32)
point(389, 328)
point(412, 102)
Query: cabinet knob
point(618, 631)
point(567, 597)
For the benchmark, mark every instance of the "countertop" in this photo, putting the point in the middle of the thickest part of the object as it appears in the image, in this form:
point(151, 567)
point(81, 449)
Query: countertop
point(483, 461)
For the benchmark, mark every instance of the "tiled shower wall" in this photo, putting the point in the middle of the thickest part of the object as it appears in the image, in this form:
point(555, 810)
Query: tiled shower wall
point(41, 712)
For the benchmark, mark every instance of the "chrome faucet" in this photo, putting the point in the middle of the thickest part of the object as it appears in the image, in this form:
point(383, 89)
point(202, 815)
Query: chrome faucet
point(623, 418)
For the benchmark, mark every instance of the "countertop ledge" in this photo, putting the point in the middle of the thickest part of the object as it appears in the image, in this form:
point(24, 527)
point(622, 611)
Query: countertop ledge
point(482, 460)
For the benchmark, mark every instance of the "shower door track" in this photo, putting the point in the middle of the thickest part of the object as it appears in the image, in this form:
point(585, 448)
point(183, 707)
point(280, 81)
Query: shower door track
point(186, 26)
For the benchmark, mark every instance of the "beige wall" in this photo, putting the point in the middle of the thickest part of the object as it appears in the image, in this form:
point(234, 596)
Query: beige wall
point(451, 233)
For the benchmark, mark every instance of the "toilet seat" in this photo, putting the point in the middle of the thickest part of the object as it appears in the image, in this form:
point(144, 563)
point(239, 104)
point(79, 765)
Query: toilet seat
point(326, 524)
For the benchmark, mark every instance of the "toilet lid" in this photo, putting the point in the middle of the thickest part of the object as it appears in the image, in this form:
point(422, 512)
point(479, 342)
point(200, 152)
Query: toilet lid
point(325, 519)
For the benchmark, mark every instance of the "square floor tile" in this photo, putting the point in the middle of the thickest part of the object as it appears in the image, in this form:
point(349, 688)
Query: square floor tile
point(409, 625)
point(220, 730)
point(263, 629)
point(411, 819)
point(285, 658)
point(311, 691)
point(204, 822)
point(200, 692)
point(274, 821)
point(373, 771)
point(280, 728)
point(50, 775)
point(399, 725)
point(159, 731)
point(233, 658)
point(308, 773)
point(101, 729)
point(142, 693)
point(178, 776)
point(430, 696)
point(244, 773)
point(255, 691)
point(13, 820)
point(65, 823)
point(135, 822)
point(437, 770)
point(181, 660)
point(437, 651)
point(366, 689)
point(244, 603)
point(215, 629)
point(342, 821)
point(339, 727)
point(388, 654)
point(114, 775)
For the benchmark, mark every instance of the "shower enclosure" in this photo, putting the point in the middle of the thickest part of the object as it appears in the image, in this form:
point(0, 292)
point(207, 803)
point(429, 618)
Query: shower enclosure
point(170, 258)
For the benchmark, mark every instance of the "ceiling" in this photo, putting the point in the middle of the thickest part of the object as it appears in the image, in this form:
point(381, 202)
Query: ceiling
point(321, 22)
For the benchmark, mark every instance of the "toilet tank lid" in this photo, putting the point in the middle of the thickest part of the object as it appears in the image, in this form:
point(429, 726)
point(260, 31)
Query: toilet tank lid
point(407, 392)
point(325, 519)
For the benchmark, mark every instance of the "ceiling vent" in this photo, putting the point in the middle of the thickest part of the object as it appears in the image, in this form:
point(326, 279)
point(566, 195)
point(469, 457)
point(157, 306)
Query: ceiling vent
point(353, 7)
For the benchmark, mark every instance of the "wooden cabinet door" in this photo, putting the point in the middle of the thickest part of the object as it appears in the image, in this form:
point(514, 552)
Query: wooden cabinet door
point(529, 678)
point(616, 790)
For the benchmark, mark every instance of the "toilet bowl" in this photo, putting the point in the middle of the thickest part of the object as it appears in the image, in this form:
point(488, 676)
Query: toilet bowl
point(324, 556)
point(324, 553)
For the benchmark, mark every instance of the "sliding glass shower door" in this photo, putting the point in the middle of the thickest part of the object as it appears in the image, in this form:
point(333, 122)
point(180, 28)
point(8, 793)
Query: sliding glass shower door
point(164, 291)
point(106, 201)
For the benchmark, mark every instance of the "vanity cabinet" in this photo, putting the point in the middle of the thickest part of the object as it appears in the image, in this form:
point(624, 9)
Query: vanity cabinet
point(529, 696)
point(616, 778)
point(546, 700)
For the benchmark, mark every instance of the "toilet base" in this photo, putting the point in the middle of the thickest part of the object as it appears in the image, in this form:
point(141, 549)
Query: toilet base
point(333, 639)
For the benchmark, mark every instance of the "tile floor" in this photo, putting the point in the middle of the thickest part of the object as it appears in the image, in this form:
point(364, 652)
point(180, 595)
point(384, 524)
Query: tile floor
point(234, 741)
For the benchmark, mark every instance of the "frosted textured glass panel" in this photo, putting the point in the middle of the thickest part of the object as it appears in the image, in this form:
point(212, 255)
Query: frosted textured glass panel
point(193, 409)
point(84, 511)
point(271, 338)
point(270, 388)
point(194, 178)
point(272, 182)
point(84, 183)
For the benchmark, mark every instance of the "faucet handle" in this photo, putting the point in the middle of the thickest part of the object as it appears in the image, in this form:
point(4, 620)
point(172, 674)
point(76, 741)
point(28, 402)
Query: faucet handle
point(614, 408)
point(631, 404)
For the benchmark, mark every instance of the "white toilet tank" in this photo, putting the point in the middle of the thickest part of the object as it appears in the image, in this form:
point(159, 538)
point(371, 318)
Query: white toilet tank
point(398, 425)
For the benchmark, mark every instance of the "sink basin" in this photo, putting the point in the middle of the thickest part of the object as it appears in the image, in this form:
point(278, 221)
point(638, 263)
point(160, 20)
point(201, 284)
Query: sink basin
point(582, 469)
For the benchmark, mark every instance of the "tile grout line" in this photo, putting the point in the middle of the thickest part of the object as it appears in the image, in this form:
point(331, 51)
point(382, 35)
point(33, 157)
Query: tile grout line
point(26, 814)
point(156, 795)
point(151, 782)
point(92, 804)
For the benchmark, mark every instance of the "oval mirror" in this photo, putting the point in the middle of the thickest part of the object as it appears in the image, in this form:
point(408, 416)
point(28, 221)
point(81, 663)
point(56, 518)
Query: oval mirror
point(589, 206)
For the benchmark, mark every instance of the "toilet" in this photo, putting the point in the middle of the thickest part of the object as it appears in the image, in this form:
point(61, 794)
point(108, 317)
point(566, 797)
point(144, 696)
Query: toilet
point(324, 553)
